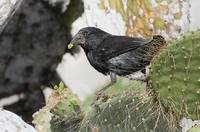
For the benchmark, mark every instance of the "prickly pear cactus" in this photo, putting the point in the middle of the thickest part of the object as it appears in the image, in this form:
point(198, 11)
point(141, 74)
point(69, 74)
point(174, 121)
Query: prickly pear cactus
point(175, 76)
point(125, 106)
point(127, 112)
point(130, 109)
point(62, 112)
point(195, 128)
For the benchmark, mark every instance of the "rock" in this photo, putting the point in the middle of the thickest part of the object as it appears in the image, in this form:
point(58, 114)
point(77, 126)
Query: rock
point(10, 122)
point(139, 18)
point(7, 9)
point(31, 46)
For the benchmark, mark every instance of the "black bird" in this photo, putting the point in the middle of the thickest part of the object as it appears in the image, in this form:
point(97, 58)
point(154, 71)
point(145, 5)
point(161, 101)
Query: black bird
point(117, 55)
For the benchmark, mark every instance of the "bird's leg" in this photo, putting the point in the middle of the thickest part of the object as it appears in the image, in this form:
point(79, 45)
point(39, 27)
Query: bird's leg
point(113, 78)
point(101, 94)
point(148, 85)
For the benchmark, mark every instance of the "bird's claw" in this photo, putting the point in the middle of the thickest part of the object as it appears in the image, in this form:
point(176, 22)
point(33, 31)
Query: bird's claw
point(101, 96)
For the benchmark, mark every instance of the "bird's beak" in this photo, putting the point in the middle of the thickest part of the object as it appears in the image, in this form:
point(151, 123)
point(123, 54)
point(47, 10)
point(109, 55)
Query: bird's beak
point(75, 41)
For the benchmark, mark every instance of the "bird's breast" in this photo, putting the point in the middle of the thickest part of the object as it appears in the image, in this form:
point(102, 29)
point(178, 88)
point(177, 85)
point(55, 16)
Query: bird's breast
point(97, 63)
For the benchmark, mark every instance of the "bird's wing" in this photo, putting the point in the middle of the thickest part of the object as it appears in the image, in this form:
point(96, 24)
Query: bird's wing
point(116, 45)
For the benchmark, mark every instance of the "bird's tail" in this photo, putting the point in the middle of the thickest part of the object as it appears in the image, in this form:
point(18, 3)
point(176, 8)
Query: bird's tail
point(158, 40)
point(154, 46)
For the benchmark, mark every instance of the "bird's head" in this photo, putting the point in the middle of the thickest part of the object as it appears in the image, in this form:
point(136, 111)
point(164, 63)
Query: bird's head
point(88, 38)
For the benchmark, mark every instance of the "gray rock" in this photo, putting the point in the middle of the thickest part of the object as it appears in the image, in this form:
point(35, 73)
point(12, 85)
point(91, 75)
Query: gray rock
point(10, 122)
point(31, 46)
point(7, 9)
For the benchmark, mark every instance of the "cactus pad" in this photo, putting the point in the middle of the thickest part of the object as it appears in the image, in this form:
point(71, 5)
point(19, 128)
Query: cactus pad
point(195, 128)
point(62, 112)
point(175, 76)
point(125, 113)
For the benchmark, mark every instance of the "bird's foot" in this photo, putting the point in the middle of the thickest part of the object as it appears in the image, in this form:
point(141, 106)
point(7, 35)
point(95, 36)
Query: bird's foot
point(148, 85)
point(101, 96)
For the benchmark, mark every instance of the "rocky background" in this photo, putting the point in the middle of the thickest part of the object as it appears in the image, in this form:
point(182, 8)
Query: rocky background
point(31, 46)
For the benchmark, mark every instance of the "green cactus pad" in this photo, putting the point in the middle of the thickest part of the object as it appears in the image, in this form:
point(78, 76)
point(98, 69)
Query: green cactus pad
point(127, 112)
point(175, 76)
point(195, 128)
point(62, 112)
point(126, 107)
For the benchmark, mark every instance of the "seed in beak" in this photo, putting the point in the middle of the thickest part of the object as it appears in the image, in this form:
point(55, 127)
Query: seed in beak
point(70, 46)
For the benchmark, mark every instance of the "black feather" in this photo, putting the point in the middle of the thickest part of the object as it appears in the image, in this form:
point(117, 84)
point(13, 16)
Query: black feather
point(121, 55)
point(113, 46)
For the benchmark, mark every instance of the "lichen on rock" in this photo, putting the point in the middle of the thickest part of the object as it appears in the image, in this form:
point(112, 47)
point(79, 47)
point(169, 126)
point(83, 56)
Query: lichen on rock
point(147, 17)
